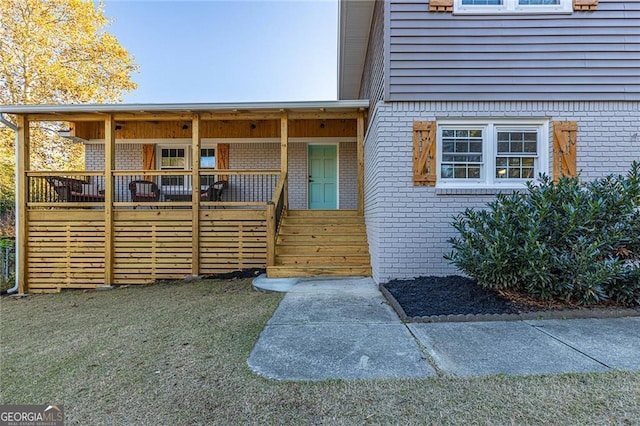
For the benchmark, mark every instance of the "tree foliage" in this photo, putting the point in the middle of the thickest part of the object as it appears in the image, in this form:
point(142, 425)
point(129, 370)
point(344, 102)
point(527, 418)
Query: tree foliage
point(56, 51)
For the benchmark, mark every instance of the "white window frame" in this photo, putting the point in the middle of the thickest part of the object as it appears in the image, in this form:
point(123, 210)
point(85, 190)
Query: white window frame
point(215, 148)
point(188, 162)
point(490, 152)
point(512, 7)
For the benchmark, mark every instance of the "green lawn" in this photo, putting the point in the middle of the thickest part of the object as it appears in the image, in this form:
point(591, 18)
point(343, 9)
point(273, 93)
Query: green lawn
point(176, 354)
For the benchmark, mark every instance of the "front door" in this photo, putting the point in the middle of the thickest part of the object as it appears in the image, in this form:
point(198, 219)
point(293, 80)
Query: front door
point(323, 177)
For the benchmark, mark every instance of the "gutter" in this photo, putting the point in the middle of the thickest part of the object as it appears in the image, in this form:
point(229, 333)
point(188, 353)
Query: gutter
point(13, 127)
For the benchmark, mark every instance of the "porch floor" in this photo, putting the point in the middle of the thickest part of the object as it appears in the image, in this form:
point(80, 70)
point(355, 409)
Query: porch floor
point(314, 243)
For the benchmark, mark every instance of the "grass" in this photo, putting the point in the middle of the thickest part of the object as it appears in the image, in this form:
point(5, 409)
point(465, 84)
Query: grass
point(176, 354)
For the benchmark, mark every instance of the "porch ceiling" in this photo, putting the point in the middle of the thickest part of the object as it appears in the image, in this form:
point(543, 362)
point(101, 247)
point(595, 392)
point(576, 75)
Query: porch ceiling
point(232, 129)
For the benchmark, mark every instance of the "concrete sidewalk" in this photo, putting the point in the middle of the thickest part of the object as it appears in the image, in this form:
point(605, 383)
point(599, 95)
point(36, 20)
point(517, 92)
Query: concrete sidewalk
point(344, 329)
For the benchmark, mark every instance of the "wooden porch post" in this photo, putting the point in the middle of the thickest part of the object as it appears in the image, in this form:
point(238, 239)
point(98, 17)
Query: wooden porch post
point(22, 191)
point(109, 167)
point(360, 153)
point(195, 195)
point(284, 153)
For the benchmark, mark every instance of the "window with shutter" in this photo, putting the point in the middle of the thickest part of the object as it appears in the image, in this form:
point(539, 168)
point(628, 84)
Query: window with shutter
point(424, 153)
point(474, 153)
point(565, 135)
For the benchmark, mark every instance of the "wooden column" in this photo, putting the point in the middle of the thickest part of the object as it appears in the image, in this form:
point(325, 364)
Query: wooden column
point(195, 195)
point(22, 192)
point(109, 167)
point(284, 153)
point(360, 154)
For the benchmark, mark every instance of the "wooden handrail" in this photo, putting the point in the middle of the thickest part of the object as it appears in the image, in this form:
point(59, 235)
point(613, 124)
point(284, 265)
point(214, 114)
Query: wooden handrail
point(279, 188)
point(208, 172)
point(64, 173)
point(272, 226)
point(203, 172)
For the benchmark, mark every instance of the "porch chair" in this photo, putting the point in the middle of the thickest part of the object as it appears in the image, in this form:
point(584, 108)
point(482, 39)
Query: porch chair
point(74, 190)
point(214, 191)
point(144, 191)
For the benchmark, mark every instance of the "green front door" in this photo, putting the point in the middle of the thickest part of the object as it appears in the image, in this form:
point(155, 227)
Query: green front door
point(323, 177)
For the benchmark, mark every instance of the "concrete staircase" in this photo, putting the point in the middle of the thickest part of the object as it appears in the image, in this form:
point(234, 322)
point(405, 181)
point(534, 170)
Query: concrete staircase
point(321, 243)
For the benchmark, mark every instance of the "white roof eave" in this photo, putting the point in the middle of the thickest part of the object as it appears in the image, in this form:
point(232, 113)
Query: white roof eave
point(354, 26)
point(238, 107)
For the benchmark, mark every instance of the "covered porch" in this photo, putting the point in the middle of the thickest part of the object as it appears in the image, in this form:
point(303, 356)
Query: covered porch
point(170, 191)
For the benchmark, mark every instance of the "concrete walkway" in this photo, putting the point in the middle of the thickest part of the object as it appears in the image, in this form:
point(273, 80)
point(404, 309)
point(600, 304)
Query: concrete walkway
point(344, 329)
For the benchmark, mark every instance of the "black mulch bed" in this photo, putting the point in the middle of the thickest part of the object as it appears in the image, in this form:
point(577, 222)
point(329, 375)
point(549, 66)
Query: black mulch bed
point(432, 297)
point(240, 274)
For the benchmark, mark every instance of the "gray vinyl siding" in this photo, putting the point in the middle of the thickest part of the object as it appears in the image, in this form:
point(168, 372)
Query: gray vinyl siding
point(579, 56)
point(372, 86)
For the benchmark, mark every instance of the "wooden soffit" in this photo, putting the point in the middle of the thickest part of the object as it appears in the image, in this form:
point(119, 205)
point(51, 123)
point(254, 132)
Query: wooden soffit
point(180, 129)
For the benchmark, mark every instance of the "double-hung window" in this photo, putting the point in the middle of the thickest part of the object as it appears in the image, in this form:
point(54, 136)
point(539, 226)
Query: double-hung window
point(173, 159)
point(512, 6)
point(207, 161)
point(491, 154)
point(179, 159)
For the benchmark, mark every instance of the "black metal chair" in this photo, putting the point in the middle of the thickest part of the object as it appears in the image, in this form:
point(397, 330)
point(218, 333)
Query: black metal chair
point(214, 191)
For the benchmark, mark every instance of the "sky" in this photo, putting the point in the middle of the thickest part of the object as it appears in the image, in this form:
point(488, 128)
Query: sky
point(229, 50)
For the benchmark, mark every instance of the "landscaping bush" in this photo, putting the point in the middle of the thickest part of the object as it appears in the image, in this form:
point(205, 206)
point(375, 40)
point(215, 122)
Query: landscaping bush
point(566, 240)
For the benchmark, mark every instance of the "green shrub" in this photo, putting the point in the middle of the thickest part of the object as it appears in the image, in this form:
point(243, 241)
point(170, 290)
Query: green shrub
point(567, 240)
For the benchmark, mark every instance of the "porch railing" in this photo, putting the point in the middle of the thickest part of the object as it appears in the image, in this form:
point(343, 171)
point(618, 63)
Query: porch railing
point(73, 188)
point(276, 208)
point(151, 188)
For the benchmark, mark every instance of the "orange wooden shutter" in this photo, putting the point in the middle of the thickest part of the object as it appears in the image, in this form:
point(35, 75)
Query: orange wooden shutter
point(440, 5)
point(424, 153)
point(585, 5)
point(565, 135)
point(148, 159)
point(222, 159)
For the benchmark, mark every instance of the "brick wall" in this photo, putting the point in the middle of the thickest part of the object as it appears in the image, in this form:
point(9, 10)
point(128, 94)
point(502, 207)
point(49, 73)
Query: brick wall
point(298, 173)
point(348, 163)
point(408, 226)
point(128, 156)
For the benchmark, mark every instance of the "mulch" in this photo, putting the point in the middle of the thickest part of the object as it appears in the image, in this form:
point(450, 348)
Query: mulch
point(458, 298)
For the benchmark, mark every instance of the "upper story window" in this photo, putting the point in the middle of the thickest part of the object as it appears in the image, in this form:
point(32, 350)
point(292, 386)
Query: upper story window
point(491, 154)
point(512, 6)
